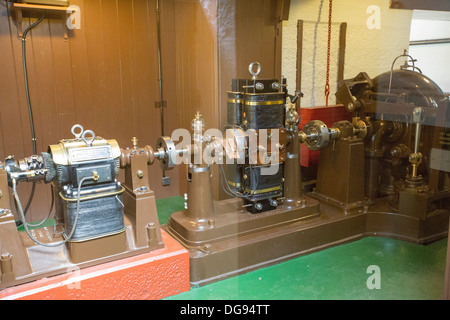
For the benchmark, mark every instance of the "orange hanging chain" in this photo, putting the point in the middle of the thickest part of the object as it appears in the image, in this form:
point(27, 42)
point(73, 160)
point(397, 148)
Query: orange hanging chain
point(327, 84)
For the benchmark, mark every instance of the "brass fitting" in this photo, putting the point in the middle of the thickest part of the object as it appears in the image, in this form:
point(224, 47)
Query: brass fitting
point(302, 137)
point(415, 159)
point(134, 140)
point(359, 127)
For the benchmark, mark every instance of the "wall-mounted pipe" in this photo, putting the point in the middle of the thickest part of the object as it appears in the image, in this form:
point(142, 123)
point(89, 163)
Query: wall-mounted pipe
point(25, 74)
point(30, 110)
point(429, 41)
point(160, 80)
point(166, 180)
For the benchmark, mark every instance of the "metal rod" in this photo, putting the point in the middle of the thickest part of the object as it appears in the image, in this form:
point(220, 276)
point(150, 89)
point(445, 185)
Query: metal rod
point(299, 62)
point(158, 29)
point(417, 138)
point(160, 77)
point(429, 41)
point(405, 54)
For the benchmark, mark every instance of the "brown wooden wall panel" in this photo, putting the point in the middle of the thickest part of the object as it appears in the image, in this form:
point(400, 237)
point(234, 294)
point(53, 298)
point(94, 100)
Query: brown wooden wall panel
point(246, 33)
point(103, 77)
point(196, 62)
point(255, 36)
point(63, 71)
point(195, 49)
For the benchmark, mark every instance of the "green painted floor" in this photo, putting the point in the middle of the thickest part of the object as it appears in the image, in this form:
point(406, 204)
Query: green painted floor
point(406, 271)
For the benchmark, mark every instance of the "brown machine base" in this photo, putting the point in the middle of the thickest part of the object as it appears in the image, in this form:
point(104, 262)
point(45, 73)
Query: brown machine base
point(22, 260)
point(50, 261)
point(236, 241)
point(29, 261)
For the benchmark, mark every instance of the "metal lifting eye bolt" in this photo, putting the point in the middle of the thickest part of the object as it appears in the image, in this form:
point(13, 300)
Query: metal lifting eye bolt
point(90, 140)
point(253, 72)
point(79, 133)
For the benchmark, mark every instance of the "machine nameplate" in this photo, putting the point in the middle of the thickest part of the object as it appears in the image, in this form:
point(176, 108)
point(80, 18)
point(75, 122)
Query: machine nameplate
point(89, 153)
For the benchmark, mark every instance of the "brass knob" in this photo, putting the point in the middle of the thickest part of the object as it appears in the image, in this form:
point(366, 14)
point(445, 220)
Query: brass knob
point(134, 140)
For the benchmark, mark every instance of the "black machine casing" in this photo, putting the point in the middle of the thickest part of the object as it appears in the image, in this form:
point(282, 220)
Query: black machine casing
point(254, 105)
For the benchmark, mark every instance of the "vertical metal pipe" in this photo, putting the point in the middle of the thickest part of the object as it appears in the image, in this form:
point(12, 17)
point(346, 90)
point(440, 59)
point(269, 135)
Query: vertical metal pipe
point(25, 74)
point(160, 77)
point(158, 30)
point(372, 172)
point(415, 164)
point(417, 138)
